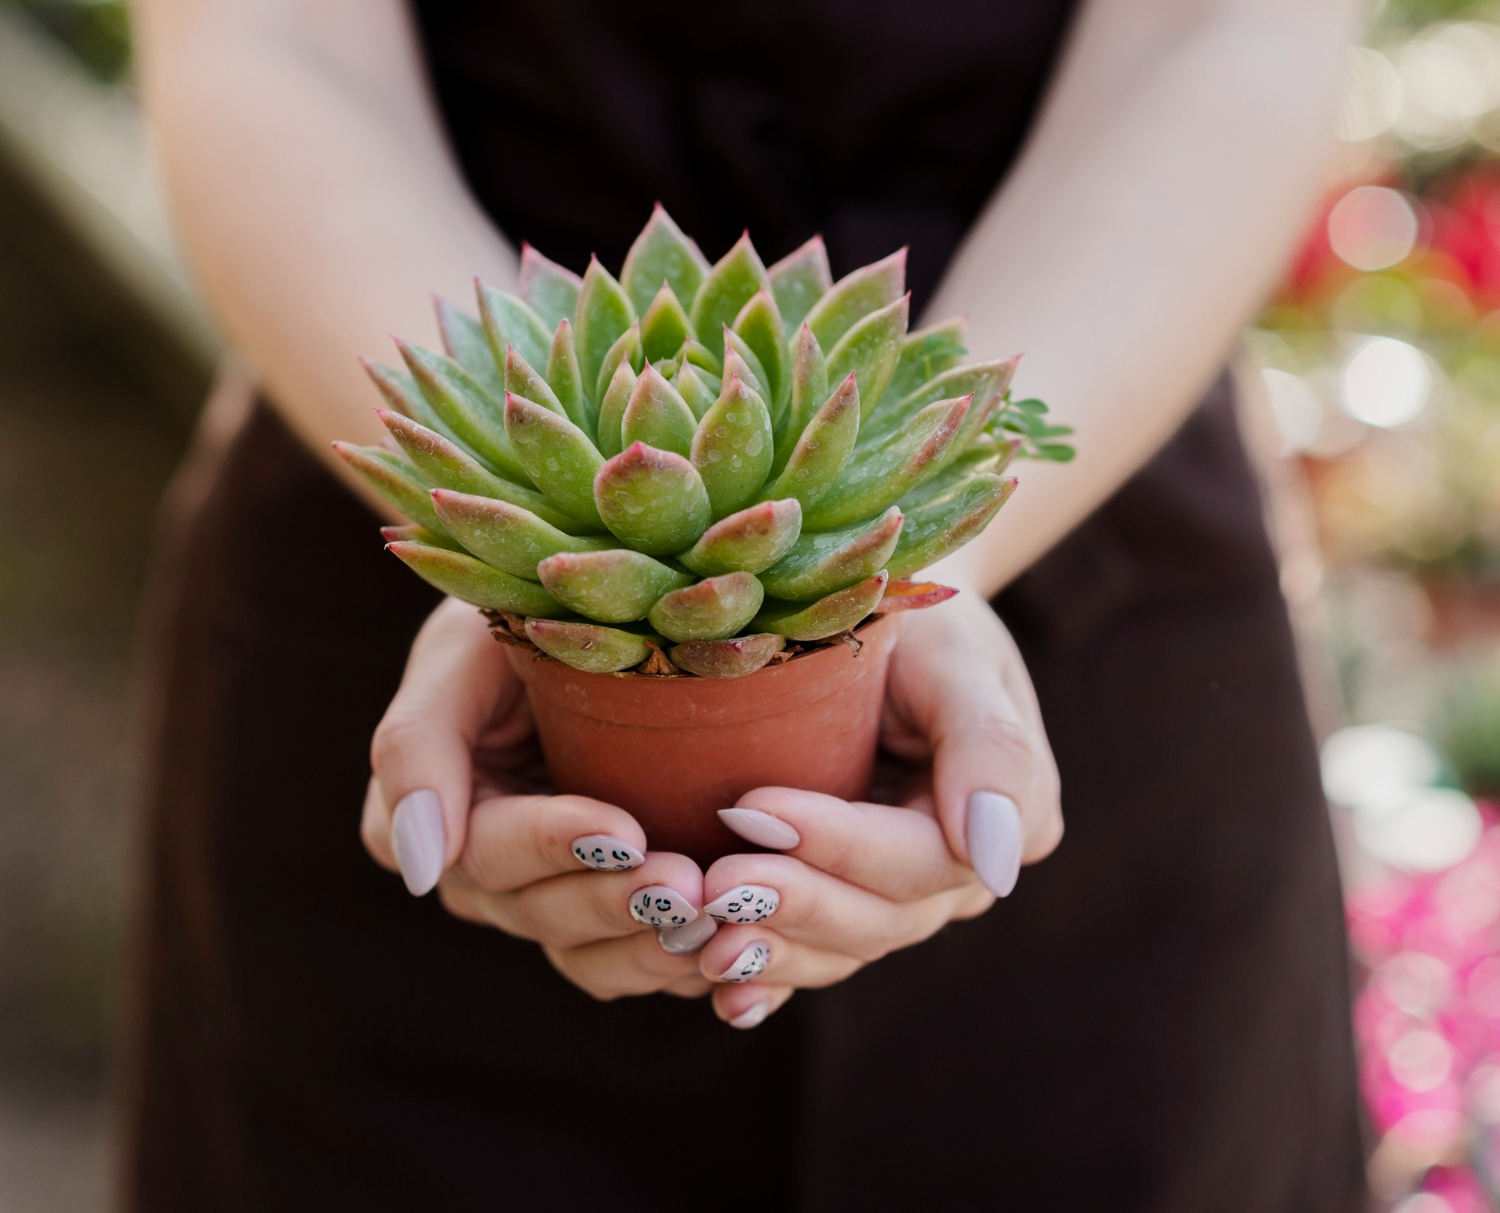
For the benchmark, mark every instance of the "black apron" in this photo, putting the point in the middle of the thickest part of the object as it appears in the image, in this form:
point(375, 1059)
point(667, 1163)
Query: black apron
point(1156, 1020)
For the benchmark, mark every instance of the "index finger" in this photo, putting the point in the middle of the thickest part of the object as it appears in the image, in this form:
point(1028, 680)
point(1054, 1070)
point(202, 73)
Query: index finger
point(455, 680)
point(899, 853)
point(514, 841)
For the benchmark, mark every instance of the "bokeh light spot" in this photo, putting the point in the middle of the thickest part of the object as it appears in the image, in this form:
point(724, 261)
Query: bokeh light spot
point(1372, 228)
point(1386, 382)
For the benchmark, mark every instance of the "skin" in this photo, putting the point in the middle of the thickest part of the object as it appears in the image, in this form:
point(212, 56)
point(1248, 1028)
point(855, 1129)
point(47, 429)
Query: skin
point(1168, 177)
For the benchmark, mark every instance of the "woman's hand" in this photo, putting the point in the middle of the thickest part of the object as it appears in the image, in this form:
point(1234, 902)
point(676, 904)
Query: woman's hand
point(855, 882)
point(448, 807)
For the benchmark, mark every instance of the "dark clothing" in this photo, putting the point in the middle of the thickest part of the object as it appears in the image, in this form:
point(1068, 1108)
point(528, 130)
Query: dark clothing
point(1156, 1020)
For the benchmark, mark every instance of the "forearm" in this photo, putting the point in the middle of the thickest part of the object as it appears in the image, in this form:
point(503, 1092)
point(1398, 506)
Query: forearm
point(313, 192)
point(1153, 209)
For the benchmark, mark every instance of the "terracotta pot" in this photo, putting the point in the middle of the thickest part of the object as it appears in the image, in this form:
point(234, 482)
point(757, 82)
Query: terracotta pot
point(674, 750)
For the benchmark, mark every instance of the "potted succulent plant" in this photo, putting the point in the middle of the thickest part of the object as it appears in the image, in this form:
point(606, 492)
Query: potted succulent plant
point(690, 498)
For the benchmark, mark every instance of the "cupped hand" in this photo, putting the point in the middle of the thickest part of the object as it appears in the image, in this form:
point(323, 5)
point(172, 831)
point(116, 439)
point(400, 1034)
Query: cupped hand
point(450, 806)
point(856, 881)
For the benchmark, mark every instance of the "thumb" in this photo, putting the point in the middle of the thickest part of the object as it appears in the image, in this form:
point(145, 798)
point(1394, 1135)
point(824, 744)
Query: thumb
point(417, 812)
point(963, 685)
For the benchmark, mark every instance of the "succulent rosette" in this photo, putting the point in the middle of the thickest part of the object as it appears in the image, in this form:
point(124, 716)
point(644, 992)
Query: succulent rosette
point(693, 467)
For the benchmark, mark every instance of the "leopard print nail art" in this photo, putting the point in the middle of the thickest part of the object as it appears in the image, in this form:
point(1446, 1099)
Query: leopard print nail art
point(658, 906)
point(606, 853)
point(748, 964)
point(744, 903)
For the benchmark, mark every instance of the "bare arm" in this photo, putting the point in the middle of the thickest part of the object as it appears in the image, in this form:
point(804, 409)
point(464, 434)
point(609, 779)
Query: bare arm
point(1168, 178)
point(313, 189)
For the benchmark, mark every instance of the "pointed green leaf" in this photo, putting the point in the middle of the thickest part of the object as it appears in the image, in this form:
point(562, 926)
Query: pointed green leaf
point(855, 296)
point(697, 388)
point(617, 586)
point(474, 581)
point(944, 524)
point(662, 253)
point(412, 533)
point(712, 609)
point(869, 351)
point(448, 466)
point(700, 356)
point(508, 321)
point(989, 398)
point(402, 394)
point(664, 327)
point(464, 339)
point(505, 535)
point(729, 286)
point(809, 391)
point(759, 324)
point(442, 462)
point(521, 380)
point(926, 354)
point(741, 360)
point(556, 454)
point(838, 612)
point(823, 450)
point(732, 658)
point(565, 378)
point(587, 646)
point(732, 447)
point(748, 541)
point(549, 289)
point(604, 314)
point(879, 477)
point(464, 407)
point(980, 380)
point(627, 351)
point(653, 500)
point(658, 416)
point(399, 484)
point(799, 280)
point(987, 455)
point(612, 408)
point(823, 561)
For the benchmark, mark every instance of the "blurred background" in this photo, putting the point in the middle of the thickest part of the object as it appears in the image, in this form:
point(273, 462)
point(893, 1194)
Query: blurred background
point(1372, 387)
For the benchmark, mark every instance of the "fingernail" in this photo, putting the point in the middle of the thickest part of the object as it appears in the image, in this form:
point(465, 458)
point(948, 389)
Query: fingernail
point(681, 940)
point(748, 963)
point(606, 853)
point(754, 1017)
point(420, 841)
point(658, 906)
point(760, 828)
point(744, 903)
point(995, 841)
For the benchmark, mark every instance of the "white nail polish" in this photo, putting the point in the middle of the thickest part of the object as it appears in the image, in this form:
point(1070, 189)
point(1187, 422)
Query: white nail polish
point(419, 838)
point(761, 828)
point(679, 941)
point(748, 964)
point(606, 853)
point(658, 906)
point(994, 839)
point(744, 903)
point(754, 1017)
